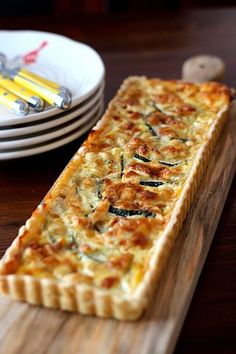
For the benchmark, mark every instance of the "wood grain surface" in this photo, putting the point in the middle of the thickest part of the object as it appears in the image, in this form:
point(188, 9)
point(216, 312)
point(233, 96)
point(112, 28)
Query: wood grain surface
point(57, 332)
point(155, 45)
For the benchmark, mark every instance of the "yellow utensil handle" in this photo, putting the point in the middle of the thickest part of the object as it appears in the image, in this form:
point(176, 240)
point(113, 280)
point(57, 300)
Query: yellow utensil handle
point(12, 102)
point(44, 82)
point(35, 101)
point(39, 80)
point(50, 94)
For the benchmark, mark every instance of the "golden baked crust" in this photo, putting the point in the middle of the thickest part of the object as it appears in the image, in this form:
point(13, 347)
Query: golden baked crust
point(98, 242)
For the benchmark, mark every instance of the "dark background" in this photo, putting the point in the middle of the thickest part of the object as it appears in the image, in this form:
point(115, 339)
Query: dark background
point(69, 7)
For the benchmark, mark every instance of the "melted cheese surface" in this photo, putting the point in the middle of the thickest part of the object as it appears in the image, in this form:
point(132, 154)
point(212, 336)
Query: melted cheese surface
point(99, 224)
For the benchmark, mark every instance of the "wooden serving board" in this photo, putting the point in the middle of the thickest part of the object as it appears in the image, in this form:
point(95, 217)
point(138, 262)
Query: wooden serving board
point(30, 329)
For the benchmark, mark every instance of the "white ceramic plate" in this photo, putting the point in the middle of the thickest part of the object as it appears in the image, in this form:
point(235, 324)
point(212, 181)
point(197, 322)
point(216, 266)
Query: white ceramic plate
point(65, 61)
point(55, 133)
point(52, 145)
point(37, 129)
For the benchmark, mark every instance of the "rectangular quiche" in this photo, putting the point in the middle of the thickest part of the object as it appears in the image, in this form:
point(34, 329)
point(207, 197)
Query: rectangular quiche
point(98, 242)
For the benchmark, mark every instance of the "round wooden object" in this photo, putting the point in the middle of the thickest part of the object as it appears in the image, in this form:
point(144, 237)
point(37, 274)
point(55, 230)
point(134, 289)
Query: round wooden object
point(203, 68)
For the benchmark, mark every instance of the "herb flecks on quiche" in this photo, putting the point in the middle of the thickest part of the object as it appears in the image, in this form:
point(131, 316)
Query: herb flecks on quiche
point(102, 221)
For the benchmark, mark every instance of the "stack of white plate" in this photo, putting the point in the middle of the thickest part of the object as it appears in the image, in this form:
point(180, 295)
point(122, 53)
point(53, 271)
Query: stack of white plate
point(69, 63)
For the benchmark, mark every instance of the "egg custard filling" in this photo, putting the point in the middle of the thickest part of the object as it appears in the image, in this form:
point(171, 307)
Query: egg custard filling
point(100, 222)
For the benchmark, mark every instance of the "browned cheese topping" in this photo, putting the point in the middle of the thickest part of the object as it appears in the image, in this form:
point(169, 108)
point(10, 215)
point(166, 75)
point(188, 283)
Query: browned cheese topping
point(99, 224)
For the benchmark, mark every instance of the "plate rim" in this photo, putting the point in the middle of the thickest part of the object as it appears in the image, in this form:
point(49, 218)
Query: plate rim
point(55, 133)
point(53, 122)
point(51, 146)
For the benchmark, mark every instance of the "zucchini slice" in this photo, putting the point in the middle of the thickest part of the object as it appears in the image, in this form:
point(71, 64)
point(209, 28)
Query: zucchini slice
point(99, 189)
point(142, 158)
point(121, 165)
point(152, 131)
point(151, 183)
point(125, 212)
point(96, 257)
point(183, 140)
point(157, 108)
point(170, 164)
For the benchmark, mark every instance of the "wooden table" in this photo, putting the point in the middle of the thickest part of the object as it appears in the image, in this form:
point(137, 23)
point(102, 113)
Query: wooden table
point(154, 45)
